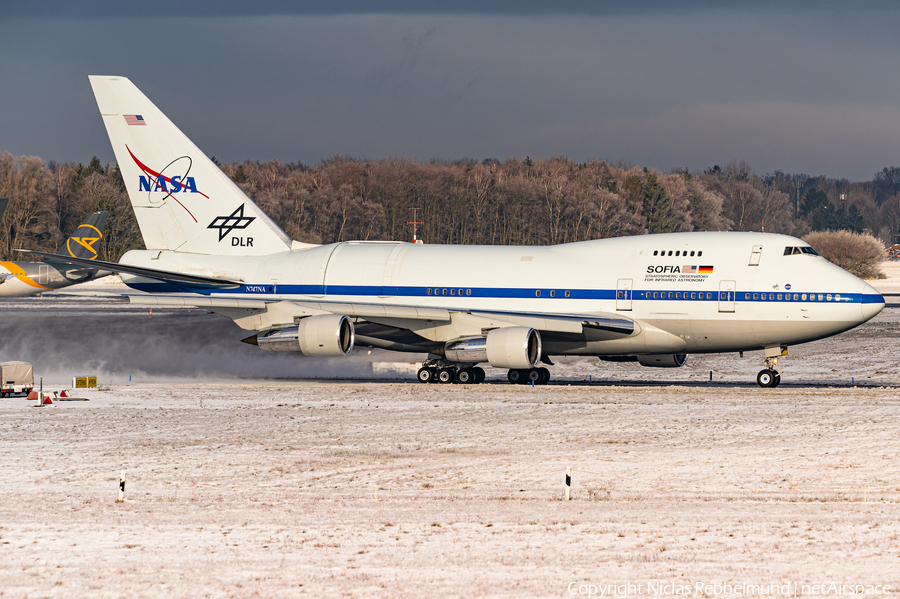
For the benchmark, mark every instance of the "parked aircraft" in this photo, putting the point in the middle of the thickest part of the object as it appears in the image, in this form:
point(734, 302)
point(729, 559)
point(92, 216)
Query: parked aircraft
point(18, 279)
point(652, 298)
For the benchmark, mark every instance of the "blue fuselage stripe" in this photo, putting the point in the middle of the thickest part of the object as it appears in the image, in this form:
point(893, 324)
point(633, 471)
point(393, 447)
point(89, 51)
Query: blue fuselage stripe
point(271, 289)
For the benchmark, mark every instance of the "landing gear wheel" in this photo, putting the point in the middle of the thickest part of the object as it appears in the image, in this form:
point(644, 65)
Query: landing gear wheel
point(535, 376)
point(445, 375)
point(425, 375)
point(768, 378)
point(777, 380)
point(545, 376)
point(479, 375)
point(466, 376)
point(516, 377)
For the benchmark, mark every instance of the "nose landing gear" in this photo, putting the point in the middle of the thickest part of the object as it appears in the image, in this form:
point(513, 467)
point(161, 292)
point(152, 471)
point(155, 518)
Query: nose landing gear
point(771, 376)
point(768, 378)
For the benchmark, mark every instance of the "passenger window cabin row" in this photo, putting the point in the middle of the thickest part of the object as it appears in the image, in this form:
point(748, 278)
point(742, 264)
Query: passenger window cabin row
point(438, 291)
point(449, 291)
point(797, 297)
point(676, 253)
point(682, 295)
point(765, 297)
point(694, 295)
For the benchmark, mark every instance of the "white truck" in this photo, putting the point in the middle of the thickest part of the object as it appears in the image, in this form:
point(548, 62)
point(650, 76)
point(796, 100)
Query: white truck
point(16, 378)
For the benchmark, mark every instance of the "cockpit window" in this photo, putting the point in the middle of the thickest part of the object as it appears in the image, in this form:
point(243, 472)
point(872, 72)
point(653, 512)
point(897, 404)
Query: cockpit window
point(789, 251)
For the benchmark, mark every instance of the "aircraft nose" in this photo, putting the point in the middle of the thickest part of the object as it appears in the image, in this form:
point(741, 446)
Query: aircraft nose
point(872, 302)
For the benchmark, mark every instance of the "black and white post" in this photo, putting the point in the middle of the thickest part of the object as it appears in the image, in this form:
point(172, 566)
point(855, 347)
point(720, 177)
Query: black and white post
point(121, 498)
point(568, 482)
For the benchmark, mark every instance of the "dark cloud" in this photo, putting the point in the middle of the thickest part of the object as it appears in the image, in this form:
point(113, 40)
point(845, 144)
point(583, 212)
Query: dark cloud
point(792, 88)
point(106, 9)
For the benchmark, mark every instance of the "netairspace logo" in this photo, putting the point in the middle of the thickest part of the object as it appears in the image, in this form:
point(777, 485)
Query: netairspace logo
point(620, 590)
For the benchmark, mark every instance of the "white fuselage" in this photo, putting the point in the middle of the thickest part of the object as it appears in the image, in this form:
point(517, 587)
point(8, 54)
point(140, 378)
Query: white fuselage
point(714, 291)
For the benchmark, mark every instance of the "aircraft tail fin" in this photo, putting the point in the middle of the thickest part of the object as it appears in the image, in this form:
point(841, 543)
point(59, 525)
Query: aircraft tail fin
point(85, 241)
point(182, 200)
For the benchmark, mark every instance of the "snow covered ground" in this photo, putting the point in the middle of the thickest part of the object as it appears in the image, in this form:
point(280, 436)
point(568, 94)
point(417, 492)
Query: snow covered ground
point(891, 269)
point(269, 489)
point(239, 485)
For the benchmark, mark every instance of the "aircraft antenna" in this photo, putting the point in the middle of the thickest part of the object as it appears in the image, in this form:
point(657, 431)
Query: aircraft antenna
point(415, 226)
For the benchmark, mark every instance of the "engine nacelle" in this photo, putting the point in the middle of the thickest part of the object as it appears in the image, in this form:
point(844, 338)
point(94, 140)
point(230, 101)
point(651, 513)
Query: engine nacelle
point(663, 360)
point(326, 335)
point(511, 347)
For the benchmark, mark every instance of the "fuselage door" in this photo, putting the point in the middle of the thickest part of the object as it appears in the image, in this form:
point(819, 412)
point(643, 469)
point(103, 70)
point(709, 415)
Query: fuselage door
point(309, 269)
point(43, 274)
point(755, 255)
point(623, 294)
point(726, 296)
point(274, 278)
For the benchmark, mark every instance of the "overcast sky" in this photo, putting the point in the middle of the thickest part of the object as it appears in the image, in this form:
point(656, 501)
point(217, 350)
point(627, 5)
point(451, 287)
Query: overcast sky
point(804, 87)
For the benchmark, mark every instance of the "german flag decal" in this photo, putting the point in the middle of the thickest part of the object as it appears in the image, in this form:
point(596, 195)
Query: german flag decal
point(707, 270)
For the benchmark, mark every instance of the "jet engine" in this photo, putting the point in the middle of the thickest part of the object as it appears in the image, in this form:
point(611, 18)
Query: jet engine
point(511, 347)
point(663, 360)
point(325, 335)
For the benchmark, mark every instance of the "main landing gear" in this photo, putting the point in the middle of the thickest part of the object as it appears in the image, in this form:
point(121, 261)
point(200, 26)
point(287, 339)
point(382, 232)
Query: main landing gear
point(433, 371)
point(770, 377)
point(438, 371)
point(538, 376)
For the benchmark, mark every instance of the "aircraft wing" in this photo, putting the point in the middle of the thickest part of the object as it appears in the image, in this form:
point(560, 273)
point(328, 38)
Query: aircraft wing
point(404, 316)
point(300, 309)
point(150, 273)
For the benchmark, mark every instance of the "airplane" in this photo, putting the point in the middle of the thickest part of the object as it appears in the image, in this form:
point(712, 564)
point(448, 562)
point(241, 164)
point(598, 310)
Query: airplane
point(652, 299)
point(20, 279)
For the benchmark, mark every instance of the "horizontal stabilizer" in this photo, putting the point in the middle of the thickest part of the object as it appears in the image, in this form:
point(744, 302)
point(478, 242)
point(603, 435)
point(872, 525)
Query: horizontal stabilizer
point(150, 273)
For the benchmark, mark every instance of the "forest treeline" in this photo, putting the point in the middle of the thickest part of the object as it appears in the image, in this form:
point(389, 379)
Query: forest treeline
point(513, 202)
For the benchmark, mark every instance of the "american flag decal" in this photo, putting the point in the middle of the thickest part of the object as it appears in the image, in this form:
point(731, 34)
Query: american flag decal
point(689, 269)
point(134, 119)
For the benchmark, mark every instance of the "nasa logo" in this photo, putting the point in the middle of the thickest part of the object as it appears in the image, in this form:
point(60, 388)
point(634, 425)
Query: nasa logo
point(788, 286)
point(167, 185)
